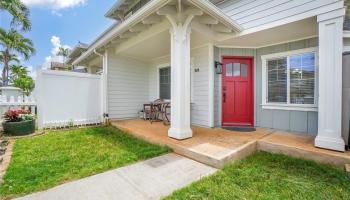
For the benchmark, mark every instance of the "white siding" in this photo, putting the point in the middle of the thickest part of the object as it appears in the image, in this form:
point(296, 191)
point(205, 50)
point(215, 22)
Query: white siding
point(153, 75)
point(128, 86)
point(254, 13)
point(217, 91)
point(200, 88)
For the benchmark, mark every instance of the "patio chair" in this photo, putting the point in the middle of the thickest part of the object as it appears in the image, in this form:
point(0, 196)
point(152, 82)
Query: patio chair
point(166, 113)
point(149, 111)
point(156, 111)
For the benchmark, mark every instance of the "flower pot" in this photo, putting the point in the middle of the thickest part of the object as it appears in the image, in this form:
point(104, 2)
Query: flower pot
point(19, 128)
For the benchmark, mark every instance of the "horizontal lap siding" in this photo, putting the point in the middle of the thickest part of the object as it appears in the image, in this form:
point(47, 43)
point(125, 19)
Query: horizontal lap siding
point(254, 13)
point(127, 86)
point(217, 91)
point(298, 121)
point(200, 97)
point(200, 100)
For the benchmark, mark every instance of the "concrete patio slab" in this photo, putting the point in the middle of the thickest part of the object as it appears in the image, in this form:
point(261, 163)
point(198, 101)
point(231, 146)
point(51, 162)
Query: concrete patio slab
point(150, 179)
point(217, 147)
point(301, 146)
point(214, 147)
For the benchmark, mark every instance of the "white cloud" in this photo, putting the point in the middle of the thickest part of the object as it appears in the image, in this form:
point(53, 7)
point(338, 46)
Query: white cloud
point(55, 12)
point(31, 71)
point(55, 4)
point(56, 44)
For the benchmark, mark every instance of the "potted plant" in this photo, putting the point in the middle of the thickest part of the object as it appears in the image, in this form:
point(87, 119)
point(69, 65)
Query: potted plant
point(18, 122)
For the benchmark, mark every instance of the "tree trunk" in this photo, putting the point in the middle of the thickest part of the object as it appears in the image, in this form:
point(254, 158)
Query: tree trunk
point(6, 67)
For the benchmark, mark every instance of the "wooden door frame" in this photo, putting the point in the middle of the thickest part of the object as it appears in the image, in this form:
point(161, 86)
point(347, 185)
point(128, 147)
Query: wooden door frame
point(251, 58)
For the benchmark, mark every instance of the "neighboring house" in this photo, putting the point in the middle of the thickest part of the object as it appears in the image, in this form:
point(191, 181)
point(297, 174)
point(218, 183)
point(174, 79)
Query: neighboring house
point(76, 52)
point(278, 63)
point(58, 66)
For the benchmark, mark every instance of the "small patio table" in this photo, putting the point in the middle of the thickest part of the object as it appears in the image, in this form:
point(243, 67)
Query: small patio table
point(160, 108)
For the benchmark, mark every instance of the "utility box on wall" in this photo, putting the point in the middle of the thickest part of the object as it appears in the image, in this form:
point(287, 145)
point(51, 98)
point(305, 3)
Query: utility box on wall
point(346, 97)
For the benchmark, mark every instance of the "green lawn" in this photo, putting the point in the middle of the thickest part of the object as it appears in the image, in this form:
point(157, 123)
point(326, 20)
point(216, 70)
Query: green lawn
point(267, 176)
point(59, 156)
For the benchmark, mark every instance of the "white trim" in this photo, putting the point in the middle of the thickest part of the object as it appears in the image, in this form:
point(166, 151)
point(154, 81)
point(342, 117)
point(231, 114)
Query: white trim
point(346, 34)
point(346, 48)
point(267, 45)
point(288, 106)
point(192, 79)
point(160, 66)
point(211, 87)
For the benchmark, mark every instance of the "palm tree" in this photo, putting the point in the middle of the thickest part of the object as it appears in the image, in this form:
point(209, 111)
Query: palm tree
point(17, 71)
point(19, 12)
point(12, 58)
point(13, 42)
point(64, 52)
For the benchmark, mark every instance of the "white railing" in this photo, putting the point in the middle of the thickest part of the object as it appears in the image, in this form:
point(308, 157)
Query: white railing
point(12, 102)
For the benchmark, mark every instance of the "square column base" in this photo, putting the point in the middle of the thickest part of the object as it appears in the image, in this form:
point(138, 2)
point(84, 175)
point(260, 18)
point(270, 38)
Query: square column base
point(336, 144)
point(180, 134)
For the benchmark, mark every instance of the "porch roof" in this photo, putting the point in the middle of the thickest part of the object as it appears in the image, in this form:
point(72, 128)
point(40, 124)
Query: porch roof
point(120, 32)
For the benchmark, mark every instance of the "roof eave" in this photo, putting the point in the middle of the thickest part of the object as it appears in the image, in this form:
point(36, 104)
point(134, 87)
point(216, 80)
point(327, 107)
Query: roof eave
point(211, 9)
point(110, 12)
point(145, 11)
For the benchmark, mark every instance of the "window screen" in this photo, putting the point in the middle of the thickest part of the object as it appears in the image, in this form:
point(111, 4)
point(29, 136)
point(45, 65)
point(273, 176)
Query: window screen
point(277, 80)
point(302, 79)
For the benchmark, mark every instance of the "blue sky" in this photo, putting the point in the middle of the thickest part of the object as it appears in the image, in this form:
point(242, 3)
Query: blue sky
point(62, 22)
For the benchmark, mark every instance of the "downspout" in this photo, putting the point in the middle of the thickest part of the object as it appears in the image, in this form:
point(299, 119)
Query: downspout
point(104, 87)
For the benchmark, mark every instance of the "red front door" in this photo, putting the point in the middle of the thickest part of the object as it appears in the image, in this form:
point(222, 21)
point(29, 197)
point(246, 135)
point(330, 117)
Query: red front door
point(237, 91)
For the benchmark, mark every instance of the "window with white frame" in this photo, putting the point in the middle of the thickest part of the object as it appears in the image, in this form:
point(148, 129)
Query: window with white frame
point(289, 80)
point(165, 83)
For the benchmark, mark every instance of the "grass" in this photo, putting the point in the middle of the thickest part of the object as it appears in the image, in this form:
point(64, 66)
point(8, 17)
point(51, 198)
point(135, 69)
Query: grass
point(45, 161)
point(268, 176)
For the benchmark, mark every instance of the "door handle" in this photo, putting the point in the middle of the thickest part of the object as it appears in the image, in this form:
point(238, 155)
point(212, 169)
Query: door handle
point(224, 97)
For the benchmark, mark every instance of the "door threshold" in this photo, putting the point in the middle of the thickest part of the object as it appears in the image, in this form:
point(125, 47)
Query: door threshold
point(239, 128)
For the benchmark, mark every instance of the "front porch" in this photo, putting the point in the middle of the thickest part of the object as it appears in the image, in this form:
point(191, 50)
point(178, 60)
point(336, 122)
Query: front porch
point(217, 147)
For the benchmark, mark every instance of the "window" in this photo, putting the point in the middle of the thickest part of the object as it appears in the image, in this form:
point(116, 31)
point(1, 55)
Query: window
point(289, 80)
point(165, 83)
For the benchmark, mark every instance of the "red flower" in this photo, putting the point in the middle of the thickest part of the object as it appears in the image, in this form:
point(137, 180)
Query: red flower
point(13, 115)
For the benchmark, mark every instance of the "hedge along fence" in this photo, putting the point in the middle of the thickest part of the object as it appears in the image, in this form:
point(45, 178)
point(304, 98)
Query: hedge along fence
point(68, 98)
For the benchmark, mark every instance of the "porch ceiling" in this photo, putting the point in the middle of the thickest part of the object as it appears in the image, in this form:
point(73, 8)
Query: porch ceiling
point(158, 45)
point(212, 20)
point(294, 31)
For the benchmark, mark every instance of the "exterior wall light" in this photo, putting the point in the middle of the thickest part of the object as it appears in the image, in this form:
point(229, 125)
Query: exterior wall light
point(218, 67)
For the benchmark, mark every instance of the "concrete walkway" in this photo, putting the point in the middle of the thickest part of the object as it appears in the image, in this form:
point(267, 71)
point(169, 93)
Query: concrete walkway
point(150, 179)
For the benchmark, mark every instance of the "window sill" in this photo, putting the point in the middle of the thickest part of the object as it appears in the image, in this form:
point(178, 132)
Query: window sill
point(310, 108)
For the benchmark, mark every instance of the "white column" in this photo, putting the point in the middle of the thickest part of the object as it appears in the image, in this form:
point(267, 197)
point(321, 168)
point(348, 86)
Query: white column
point(180, 81)
point(330, 80)
point(104, 86)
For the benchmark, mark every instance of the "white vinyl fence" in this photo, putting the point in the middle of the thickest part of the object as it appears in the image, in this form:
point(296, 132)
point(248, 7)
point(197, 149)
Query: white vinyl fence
point(68, 98)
